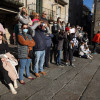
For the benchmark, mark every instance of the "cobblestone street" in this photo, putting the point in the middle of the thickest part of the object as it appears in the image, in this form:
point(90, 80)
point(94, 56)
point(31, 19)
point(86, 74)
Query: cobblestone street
point(61, 83)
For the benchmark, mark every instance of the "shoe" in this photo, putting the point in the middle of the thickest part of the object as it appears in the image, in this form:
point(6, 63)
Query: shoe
point(15, 84)
point(94, 53)
point(72, 65)
point(37, 75)
point(31, 78)
point(73, 59)
point(66, 64)
point(44, 73)
point(22, 82)
point(12, 89)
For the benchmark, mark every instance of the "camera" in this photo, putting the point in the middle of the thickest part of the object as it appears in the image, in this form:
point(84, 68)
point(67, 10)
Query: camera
point(42, 24)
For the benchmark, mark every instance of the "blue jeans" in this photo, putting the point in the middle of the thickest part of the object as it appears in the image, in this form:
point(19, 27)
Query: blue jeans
point(24, 64)
point(59, 57)
point(39, 61)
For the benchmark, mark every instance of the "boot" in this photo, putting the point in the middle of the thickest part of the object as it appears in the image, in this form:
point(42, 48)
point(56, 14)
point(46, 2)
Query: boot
point(13, 91)
point(15, 84)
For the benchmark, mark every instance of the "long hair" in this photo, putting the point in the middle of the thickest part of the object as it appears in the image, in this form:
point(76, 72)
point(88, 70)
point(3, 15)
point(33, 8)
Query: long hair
point(3, 38)
point(25, 10)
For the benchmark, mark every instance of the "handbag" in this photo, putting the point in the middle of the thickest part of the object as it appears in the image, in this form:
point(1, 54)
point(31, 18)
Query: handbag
point(31, 54)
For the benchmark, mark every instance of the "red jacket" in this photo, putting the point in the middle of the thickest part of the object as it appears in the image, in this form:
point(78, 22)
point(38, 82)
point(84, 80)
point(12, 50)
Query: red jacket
point(96, 38)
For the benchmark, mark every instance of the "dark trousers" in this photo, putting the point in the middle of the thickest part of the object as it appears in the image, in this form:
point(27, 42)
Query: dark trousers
point(4, 73)
point(65, 55)
point(70, 55)
point(94, 46)
point(53, 52)
point(47, 54)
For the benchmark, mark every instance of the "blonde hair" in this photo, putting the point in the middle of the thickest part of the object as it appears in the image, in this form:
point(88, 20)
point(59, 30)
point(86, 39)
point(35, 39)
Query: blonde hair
point(34, 14)
point(3, 39)
point(25, 10)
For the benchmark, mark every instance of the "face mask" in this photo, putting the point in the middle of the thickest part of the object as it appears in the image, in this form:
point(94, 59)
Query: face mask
point(55, 24)
point(23, 12)
point(25, 30)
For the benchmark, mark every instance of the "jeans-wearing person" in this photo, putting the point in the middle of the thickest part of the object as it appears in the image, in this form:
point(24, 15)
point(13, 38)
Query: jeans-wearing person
point(39, 61)
point(94, 47)
point(59, 57)
point(24, 64)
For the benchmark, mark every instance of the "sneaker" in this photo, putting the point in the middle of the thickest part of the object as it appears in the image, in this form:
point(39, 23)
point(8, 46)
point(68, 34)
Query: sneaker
point(73, 59)
point(44, 73)
point(94, 53)
point(37, 75)
point(72, 65)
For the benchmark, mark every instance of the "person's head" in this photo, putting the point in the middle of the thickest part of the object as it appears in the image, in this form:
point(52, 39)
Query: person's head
point(82, 43)
point(87, 47)
point(36, 15)
point(99, 32)
point(24, 28)
point(24, 11)
point(58, 20)
point(44, 14)
point(43, 26)
point(2, 37)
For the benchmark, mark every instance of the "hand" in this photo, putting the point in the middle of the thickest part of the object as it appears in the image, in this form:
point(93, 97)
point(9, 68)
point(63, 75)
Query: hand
point(4, 59)
point(40, 22)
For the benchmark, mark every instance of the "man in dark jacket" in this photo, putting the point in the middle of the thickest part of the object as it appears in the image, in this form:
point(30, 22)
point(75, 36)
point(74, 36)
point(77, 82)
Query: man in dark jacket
point(39, 49)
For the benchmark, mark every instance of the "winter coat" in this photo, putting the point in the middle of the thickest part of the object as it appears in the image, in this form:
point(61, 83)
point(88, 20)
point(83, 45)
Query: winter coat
point(9, 65)
point(40, 42)
point(25, 43)
point(96, 38)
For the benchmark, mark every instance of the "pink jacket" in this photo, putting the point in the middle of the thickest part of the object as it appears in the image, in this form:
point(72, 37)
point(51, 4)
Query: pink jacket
point(2, 29)
point(9, 66)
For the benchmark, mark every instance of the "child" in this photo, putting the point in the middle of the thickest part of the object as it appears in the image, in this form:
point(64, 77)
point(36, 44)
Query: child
point(88, 53)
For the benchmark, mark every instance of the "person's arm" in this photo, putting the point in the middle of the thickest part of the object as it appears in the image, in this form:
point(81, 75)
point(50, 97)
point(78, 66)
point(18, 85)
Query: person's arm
point(23, 20)
point(32, 29)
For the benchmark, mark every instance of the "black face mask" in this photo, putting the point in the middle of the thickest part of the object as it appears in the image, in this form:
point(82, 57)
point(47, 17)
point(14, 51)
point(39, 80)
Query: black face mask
point(23, 12)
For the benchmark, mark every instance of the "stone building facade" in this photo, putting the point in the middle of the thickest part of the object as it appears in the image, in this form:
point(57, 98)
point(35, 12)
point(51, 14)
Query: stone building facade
point(8, 11)
point(53, 8)
point(75, 12)
point(96, 16)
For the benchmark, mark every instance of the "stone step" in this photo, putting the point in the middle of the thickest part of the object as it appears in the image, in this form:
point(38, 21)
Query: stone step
point(75, 88)
point(57, 84)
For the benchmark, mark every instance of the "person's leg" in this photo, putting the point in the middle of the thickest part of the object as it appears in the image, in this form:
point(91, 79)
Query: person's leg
point(59, 57)
point(94, 47)
point(42, 57)
point(47, 54)
point(22, 66)
point(70, 56)
point(37, 58)
point(28, 67)
point(5, 75)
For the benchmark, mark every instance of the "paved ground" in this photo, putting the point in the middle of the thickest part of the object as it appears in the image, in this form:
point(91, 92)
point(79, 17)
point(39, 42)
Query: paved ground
point(61, 83)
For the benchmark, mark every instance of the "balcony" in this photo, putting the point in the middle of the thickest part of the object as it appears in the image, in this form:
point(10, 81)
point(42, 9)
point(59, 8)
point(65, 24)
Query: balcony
point(61, 2)
point(12, 3)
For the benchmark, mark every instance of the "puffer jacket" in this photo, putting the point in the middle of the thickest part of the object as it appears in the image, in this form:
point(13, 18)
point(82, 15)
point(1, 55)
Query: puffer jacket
point(25, 43)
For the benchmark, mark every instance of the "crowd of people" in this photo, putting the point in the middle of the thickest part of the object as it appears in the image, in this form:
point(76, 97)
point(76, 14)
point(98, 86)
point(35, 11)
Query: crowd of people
point(39, 44)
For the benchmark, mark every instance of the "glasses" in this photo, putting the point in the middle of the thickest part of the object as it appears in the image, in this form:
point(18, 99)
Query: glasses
point(45, 14)
point(1, 34)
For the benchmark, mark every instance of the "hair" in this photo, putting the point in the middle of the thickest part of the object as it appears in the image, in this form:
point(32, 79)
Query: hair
point(3, 39)
point(25, 10)
point(23, 25)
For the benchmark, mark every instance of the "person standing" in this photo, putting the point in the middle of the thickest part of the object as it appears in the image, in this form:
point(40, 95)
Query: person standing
point(23, 18)
point(96, 41)
point(39, 50)
point(25, 44)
